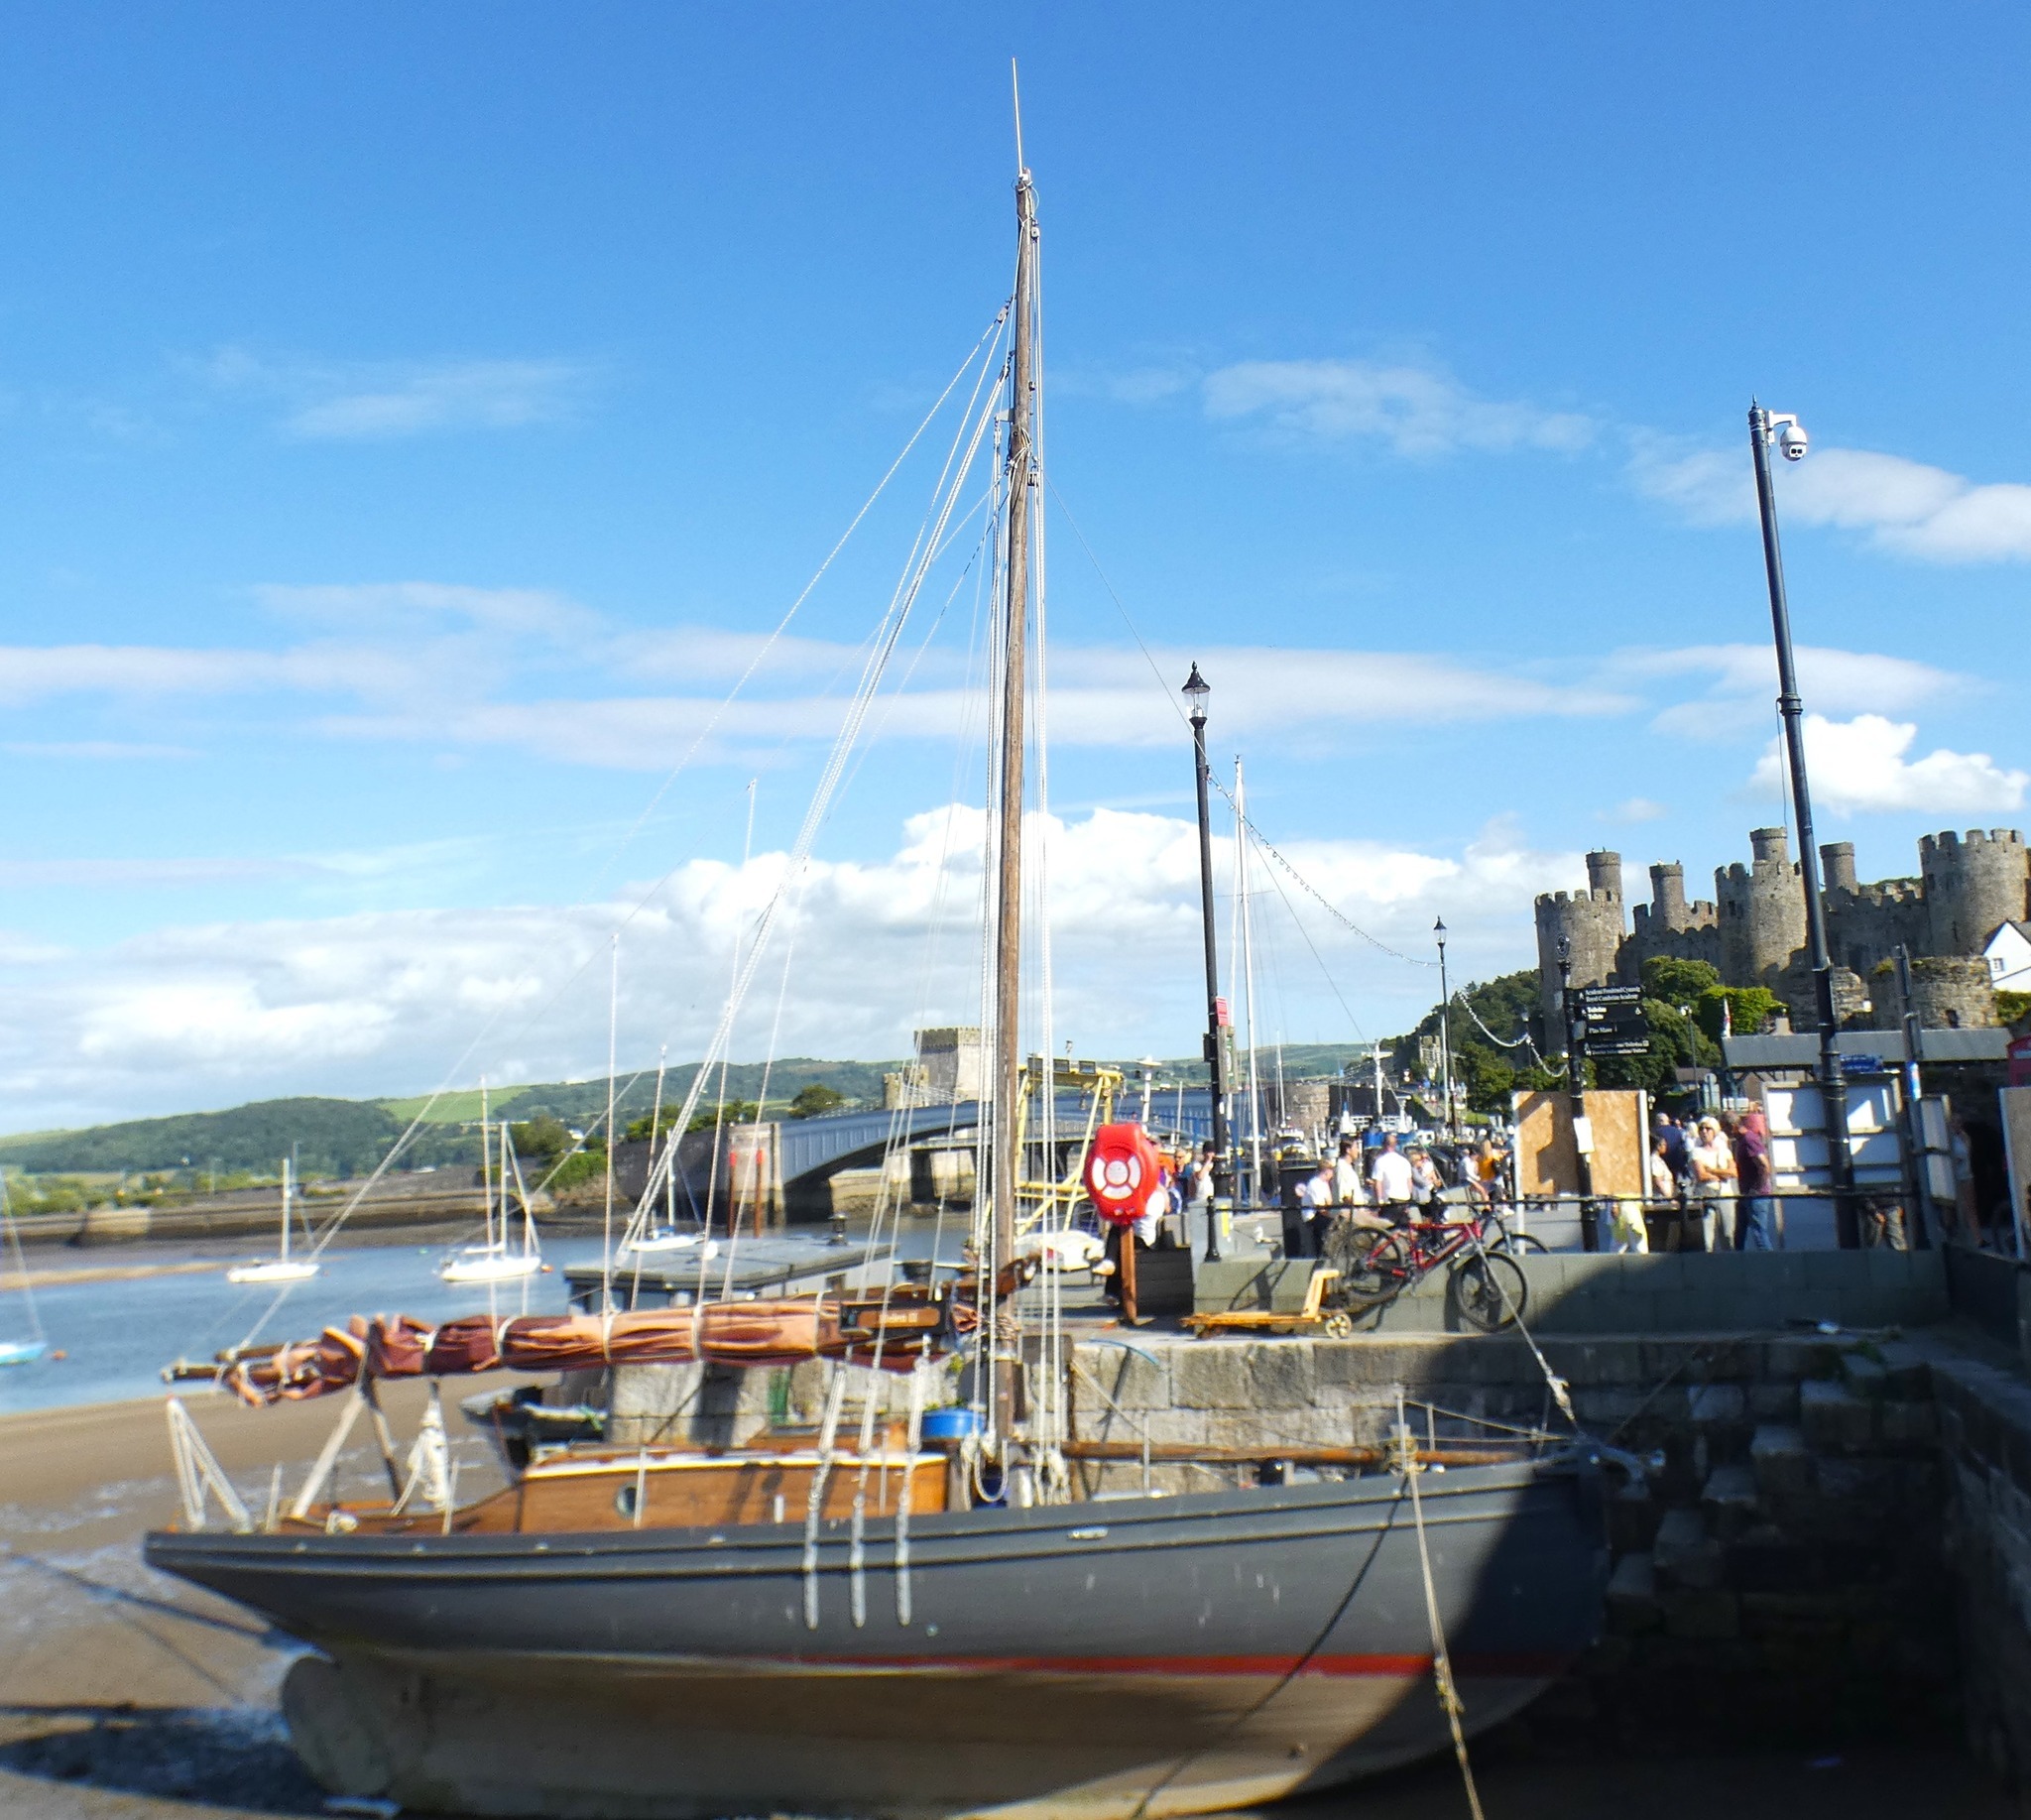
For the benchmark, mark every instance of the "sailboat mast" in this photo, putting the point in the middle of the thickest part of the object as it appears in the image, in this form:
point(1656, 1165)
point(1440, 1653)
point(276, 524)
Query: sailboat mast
point(1240, 876)
point(1008, 901)
point(285, 1210)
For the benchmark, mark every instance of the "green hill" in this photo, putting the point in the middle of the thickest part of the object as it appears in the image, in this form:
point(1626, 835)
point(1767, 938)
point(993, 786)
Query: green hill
point(329, 1137)
point(350, 1137)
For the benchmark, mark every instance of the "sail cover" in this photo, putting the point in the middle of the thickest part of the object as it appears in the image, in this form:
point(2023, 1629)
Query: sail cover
point(755, 1333)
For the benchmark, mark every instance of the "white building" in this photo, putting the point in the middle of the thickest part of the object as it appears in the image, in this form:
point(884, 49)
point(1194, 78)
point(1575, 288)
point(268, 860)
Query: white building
point(2009, 957)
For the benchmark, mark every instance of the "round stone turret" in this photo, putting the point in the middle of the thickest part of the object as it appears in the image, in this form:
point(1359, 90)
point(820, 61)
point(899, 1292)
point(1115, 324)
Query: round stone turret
point(1974, 884)
point(1950, 992)
point(1592, 922)
point(1837, 866)
point(1762, 912)
point(1668, 894)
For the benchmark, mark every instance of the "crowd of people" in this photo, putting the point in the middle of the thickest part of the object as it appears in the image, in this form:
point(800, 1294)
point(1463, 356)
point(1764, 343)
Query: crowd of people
point(1710, 1185)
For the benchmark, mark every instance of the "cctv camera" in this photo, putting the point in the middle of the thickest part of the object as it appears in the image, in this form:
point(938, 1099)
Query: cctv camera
point(1791, 442)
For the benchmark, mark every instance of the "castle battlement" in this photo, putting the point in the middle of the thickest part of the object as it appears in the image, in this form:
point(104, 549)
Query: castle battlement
point(1948, 841)
point(1753, 931)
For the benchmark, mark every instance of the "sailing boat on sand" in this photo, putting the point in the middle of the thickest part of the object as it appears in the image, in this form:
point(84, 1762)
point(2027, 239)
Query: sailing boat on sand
point(282, 1267)
point(937, 1618)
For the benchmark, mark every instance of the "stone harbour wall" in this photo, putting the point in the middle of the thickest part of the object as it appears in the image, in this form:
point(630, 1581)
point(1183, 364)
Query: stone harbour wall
point(1779, 1575)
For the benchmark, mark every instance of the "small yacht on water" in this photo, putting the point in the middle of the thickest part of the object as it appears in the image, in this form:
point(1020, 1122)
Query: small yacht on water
point(21, 1351)
point(282, 1267)
point(495, 1259)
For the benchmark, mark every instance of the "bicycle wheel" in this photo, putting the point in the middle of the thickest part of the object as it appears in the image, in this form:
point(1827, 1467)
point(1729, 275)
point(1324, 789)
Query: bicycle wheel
point(1372, 1266)
point(1518, 1244)
point(1490, 1291)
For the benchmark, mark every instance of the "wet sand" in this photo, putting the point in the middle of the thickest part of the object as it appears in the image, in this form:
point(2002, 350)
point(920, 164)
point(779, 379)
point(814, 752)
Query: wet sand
point(127, 1696)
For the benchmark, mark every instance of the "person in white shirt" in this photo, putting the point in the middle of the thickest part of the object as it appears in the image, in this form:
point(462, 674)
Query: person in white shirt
point(1390, 1182)
point(1347, 1188)
point(1315, 1207)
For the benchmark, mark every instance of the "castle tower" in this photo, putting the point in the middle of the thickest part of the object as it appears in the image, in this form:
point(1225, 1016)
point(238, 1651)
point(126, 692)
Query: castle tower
point(1592, 922)
point(1668, 896)
point(1953, 993)
point(1974, 884)
point(1762, 912)
point(1837, 866)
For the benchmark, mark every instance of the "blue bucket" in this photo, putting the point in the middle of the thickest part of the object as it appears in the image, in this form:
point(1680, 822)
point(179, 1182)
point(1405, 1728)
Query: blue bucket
point(951, 1425)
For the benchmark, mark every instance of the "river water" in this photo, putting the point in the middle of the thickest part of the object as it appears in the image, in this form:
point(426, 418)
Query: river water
point(118, 1334)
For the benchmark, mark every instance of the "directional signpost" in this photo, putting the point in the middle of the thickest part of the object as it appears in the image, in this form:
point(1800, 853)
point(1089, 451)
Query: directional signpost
point(1609, 1021)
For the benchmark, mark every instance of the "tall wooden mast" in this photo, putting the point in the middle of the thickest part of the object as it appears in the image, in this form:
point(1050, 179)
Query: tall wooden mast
point(1009, 902)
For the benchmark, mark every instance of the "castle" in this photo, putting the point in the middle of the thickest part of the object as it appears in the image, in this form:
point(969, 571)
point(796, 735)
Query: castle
point(1753, 931)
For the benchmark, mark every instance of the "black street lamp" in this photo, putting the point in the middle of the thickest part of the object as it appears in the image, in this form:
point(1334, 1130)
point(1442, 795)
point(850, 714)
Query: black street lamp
point(1789, 436)
point(1196, 690)
point(1576, 1086)
point(1445, 1029)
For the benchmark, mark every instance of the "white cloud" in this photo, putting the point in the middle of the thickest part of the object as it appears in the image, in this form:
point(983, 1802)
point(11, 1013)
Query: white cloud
point(359, 401)
point(1637, 810)
point(386, 1001)
point(1419, 411)
point(102, 750)
point(1903, 506)
point(401, 607)
point(1742, 684)
point(1859, 765)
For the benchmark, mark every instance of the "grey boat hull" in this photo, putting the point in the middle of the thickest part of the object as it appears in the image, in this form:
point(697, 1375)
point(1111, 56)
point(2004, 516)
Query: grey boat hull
point(1093, 1662)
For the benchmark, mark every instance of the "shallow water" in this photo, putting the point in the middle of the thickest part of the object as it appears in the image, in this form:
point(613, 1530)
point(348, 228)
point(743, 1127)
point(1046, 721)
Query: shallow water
point(119, 1334)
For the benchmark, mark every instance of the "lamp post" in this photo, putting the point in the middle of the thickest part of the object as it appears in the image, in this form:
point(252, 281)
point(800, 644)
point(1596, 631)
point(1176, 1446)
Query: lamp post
point(1789, 435)
point(1445, 1029)
point(1576, 1090)
point(1196, 690)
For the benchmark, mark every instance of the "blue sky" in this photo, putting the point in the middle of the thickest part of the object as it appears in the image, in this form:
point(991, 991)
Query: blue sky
point(409, 420)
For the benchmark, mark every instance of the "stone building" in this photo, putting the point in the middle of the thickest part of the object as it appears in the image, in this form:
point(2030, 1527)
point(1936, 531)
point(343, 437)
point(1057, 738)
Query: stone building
point(1753, 932)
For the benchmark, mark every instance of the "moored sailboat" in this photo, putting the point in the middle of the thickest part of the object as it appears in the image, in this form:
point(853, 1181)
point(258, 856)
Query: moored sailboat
point(37, 1345)
point(496, 1258)
point(282, 1267)
point(861, 1618)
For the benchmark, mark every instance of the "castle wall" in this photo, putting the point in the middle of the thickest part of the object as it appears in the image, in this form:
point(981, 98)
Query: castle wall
point(1865, 925)
point(1753, 932)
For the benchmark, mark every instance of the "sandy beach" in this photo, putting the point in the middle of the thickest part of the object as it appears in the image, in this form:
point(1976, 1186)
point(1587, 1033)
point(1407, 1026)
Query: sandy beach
point(127, 1696)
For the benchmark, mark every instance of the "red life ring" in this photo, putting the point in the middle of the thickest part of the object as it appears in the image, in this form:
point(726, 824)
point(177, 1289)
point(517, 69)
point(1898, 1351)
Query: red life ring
point(1125, 1174)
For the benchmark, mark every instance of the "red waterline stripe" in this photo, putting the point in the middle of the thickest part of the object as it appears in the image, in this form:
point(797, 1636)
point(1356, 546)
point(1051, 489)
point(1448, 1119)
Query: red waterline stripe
point(1401, 1666)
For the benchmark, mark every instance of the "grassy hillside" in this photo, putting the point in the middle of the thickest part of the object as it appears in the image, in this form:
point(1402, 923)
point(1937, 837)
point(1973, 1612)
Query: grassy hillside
point(350, 1137)
point(330, 1137)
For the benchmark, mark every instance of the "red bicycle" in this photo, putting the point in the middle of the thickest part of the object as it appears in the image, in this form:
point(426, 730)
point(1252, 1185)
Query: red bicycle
point(1486, 1283)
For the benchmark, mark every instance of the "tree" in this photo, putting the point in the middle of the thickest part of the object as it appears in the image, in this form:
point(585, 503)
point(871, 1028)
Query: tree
point(734, 1112)
point(541, 1138)
point(1678, 982)
point(815, 1100)
point(662, 1124)
point(1749, 1010)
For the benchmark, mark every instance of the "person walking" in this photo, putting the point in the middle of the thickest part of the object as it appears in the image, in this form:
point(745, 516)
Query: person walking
point(1347, 1187)
point(1315, 1208)
point(1756, 1221)
point(1390, 1184)
point(1427, 1185)
point(1662, 1181)
point(1198, 1195)
point(1713, 1167)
